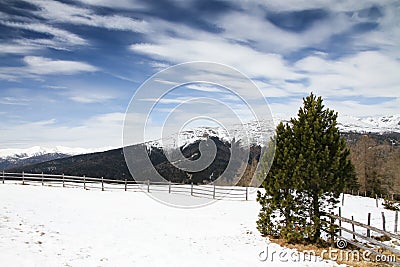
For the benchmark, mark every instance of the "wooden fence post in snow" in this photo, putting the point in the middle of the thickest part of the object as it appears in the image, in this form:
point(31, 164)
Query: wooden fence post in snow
point(247, 193)
point(396, 219)
point(63, 180)
point(169, 187)
point(352, 227)
point(376, 200)
point(42, 179)
point(332, 230)
point(191, 189)
point(84, 182)
point(342, 199)
point(340, 221)
point(148, 186)
point(126, 181)
point(102, 184)
point(23, 178)
point(369, 224)
point(214, 192)
point(3, 177)
point(383, 221)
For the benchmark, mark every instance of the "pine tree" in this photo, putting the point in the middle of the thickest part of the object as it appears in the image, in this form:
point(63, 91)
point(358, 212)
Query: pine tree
point(310, 170)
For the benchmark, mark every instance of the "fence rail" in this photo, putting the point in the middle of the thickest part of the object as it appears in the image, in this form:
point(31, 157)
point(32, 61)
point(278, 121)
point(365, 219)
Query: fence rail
point(207, 191)
point(358, 237)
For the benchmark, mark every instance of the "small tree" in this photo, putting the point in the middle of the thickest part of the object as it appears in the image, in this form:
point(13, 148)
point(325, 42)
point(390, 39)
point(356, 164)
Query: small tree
point(310, 169)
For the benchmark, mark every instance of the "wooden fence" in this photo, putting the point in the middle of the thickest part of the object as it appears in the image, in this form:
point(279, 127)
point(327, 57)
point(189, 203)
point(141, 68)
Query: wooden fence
point(359, 240)
point(207, 191)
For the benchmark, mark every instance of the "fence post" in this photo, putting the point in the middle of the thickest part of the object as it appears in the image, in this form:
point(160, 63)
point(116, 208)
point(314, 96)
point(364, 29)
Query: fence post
point(102, 184)
point(63, 180)
point(191, 189)
point(376, 200)
point(342, 199)
point(383, 221)
point(369, 224)
point(23, 178)
point(214, 192)
point(126, 184)
point(332, 230)
point(84, 182)
point(3, 177)
point(169, 187)
point(247, 193)
point(396, 219)
point(352, 227)
point(340, 221)
point(148, 186)
point(42, 179)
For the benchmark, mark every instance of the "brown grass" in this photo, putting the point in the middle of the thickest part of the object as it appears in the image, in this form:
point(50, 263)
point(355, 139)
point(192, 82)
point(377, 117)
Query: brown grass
point(318, 251)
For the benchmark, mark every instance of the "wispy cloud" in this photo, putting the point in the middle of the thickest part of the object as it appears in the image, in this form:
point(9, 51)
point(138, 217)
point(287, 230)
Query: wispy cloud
point(42, 65)
point(60, 12)
point(273, 56)
point(36, 66)
point(16, 48)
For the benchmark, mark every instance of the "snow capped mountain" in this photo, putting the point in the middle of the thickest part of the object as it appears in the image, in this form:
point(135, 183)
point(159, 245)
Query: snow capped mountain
point(370, 124)
point(39, 151)
point(10, 158)
point(249, 133)
point(258, 133)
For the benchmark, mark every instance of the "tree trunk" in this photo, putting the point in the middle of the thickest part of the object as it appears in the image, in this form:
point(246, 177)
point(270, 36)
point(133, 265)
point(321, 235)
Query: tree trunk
point(316, 217)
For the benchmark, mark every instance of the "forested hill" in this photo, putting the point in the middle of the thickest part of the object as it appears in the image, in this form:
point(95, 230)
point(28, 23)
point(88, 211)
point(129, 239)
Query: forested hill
point(375, 156)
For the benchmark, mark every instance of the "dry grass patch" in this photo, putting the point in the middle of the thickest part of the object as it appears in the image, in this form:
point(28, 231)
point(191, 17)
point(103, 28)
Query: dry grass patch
point(342, 256)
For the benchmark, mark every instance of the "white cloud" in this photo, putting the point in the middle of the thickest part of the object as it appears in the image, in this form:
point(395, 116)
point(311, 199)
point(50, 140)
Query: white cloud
point(60, 12)
point(255, 30)
point(62, 39)
point(15, 48)
point(42, 65)
point(370, 74)
point(299, 5)
point(91, 97)
point(101, 130)
point(253, 63)
point(253, 45)
point(11, 100)
point(36, 66)
point(126, 4)
point(355, 108)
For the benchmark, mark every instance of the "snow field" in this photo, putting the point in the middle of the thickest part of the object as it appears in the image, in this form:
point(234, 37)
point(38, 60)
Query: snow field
point(53, 226)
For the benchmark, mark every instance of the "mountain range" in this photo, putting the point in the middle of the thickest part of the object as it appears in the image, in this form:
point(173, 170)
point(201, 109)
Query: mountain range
point(255, 132)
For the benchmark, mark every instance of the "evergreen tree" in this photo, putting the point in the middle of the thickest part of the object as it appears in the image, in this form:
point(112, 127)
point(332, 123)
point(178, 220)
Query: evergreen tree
point(310, 170)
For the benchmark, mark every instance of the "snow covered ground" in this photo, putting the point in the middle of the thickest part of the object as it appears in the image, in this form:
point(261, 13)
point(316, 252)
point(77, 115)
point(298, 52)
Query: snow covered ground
point(53, 226)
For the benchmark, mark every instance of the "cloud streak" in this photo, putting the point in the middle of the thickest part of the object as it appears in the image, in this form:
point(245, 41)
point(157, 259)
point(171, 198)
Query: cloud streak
point(36, 66)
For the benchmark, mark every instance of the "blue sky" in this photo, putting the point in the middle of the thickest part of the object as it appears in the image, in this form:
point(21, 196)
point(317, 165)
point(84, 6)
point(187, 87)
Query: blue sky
point(68, 69)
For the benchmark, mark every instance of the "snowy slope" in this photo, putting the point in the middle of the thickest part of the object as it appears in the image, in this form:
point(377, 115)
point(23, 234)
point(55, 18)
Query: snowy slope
point(249, 133)
point(50, 226)
point(256, 132)
point(38, 151)
point(370, 124)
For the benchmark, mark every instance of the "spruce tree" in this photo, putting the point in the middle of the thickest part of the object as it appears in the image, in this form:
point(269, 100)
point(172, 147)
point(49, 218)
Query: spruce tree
point(310, 170)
